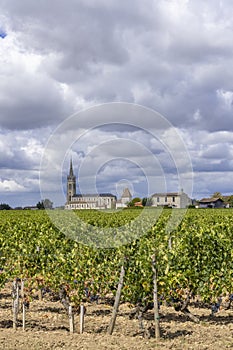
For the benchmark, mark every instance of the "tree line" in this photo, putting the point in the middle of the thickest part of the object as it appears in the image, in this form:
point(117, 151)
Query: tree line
point(43, 204)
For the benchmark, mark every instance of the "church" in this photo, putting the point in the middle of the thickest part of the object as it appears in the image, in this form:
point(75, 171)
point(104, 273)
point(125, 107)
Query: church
point(109, 201)
point(90, 201)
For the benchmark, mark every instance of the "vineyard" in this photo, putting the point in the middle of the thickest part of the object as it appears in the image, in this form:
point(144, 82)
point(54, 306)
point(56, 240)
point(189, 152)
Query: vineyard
point(170, 261)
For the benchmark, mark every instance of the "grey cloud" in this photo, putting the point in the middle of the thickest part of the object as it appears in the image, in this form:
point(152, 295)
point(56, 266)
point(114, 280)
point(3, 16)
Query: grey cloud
point(109, 51)
point(23, 153)
point(172, 56)
point(217, 151)
point(30, 101)
point(81, 33)
point(211, 167)
point(206, 183)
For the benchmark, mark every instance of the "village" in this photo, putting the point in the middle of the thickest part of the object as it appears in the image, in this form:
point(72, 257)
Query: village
point(109, 201)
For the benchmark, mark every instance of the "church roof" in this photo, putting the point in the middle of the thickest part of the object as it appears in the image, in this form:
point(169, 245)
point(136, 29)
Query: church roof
point(94, 195)
point(126, 193)
point(166, 194)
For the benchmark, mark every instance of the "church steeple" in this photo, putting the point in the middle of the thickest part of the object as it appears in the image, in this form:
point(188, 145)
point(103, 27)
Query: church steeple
point(71, 168)
point(71, 184)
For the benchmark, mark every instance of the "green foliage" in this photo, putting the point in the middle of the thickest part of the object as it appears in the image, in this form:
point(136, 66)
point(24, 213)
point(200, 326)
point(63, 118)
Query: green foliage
point(5, 206)
point(133, 201)
point(147, 202)
point(229, 199)
point(40, 205)
point(199, 257)
point(217, 195)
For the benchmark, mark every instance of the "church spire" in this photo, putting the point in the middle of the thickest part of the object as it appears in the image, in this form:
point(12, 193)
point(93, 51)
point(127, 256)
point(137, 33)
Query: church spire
point(71, 183)
point(71, 168)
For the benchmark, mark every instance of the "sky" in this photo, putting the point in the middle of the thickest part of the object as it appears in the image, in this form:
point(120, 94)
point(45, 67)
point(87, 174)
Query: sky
point(137, 93)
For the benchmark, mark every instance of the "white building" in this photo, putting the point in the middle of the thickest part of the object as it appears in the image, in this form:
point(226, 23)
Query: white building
point(92, 201)
point(171, 199)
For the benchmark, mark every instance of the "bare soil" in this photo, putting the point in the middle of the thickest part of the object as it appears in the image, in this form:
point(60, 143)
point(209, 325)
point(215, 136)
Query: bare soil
point(47, 327)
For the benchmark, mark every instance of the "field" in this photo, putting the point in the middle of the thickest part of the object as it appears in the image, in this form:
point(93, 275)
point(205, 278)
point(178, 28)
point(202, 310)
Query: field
point(194, 264)
point(47, 328)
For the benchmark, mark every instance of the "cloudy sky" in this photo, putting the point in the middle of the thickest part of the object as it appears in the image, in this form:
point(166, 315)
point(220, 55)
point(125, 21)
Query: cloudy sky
point(62, 57)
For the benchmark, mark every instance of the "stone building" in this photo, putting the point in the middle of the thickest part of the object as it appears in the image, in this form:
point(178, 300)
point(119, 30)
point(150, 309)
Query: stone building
point(171, 199)
point(89, 200)
point(211, 203)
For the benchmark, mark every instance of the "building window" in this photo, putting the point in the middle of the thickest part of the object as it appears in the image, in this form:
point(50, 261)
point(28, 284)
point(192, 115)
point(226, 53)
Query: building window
point(165, 199)
point(158, 199)
point(173, 199)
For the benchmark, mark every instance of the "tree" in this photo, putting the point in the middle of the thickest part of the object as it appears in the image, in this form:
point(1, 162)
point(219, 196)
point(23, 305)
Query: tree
point(147, 202)
point(229, 199)
point(45, 204)
point(40, 205)
point(4, 206)
point(217, 195)
point(133, 201)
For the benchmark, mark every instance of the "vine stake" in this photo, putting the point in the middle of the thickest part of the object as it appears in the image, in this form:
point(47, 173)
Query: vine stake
point(71, 319)
point(117, 301)
point(82, 309)
point(155, 298)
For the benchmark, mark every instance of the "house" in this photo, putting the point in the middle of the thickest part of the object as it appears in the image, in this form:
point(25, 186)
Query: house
point(212, 203)
point(171, 199)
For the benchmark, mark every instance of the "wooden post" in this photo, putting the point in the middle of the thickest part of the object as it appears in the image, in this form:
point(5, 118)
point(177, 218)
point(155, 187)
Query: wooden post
point(81, 318)
point(23, 305)
point(155, 298)
point(24, 317)
point(117, 301)
point(15, 306)
point(71, 319)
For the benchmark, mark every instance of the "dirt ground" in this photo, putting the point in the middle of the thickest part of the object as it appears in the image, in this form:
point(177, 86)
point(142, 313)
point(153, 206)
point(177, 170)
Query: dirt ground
point(47, 327)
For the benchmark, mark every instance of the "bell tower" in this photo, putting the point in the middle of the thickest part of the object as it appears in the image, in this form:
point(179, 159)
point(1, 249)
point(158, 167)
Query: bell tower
point(71, 184)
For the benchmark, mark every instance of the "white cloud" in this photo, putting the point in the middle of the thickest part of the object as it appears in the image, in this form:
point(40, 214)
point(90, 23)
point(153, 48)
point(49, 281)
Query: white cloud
point(10, 186)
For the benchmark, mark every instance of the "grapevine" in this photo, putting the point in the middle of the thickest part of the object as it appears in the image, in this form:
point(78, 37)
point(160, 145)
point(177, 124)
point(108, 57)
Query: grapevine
point(197, 261)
